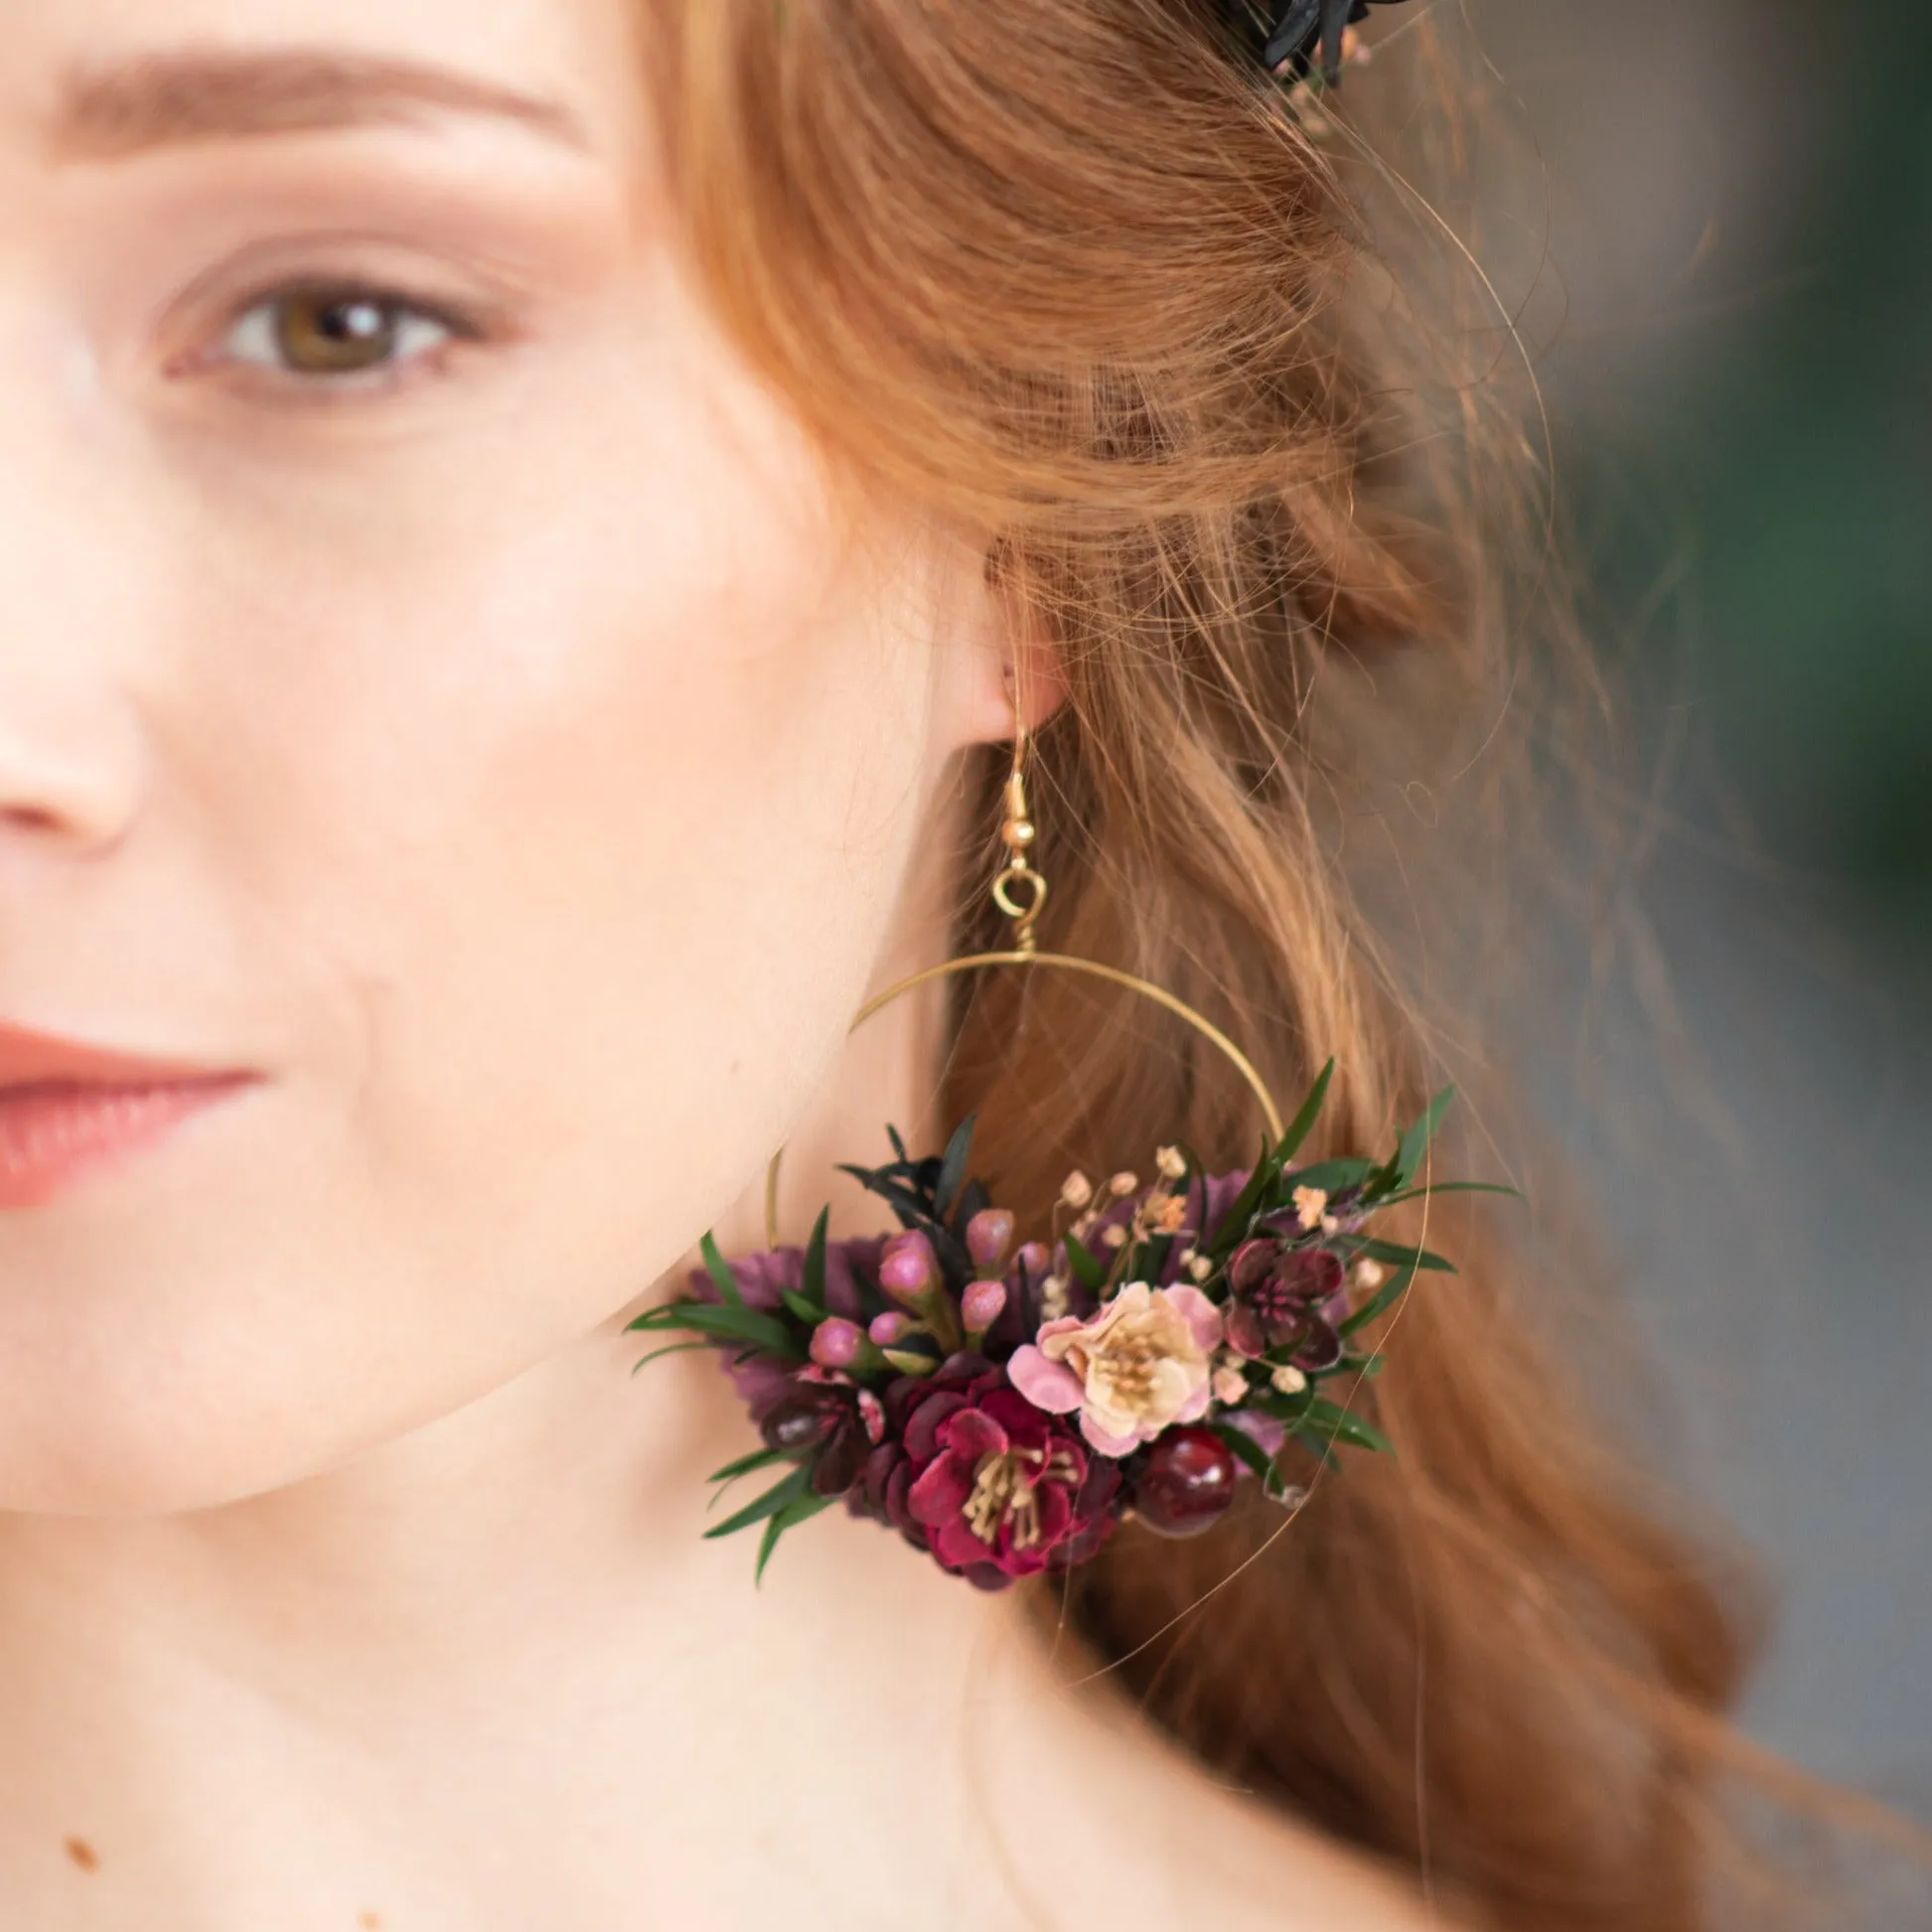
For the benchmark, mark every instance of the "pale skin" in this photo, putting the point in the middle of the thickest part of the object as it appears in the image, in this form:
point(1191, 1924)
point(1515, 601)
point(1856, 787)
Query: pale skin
point(501, 751)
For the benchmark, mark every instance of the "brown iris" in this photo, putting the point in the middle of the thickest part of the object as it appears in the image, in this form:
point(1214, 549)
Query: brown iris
point(333, 331)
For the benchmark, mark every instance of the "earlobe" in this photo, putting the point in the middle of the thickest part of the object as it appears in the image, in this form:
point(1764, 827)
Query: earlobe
point(1022, 674)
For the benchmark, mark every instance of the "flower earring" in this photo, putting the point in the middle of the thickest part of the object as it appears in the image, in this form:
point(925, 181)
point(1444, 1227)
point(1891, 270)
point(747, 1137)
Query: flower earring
point(1004, 1401)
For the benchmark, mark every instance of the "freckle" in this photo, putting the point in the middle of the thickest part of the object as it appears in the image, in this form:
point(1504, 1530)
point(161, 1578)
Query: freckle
point(370, 1922)
point(83, 1854)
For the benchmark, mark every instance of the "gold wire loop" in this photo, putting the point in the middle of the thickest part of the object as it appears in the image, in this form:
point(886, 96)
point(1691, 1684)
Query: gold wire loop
point(1024, 917)
point(1065, 962)
point(1017, 834)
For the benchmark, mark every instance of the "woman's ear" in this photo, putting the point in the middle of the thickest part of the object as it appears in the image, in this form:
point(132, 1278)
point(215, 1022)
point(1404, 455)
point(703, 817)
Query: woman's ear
point(1017, 673)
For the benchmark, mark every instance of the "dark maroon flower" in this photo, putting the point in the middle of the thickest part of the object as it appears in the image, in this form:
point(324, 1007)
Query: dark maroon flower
point(1286, 1300)
point(823, 1419)
point(994, 1488)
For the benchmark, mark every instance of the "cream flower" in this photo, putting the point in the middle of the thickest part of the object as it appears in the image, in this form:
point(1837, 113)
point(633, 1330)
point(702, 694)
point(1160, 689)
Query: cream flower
point(1142, 1364)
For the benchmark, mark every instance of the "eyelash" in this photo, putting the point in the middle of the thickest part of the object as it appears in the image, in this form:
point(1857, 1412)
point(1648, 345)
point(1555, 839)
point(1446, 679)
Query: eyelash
point(254, 340)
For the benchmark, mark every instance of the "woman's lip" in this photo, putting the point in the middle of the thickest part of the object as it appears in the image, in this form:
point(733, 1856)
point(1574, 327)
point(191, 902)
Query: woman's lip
point(56, 1133)
point(31, 1058)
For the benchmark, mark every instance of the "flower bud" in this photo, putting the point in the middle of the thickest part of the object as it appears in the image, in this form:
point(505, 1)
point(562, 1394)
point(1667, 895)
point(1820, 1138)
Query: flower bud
point(835, 1343)
point(989, 1235)
point(1077, 1191)
point(909, 1266)
point(1124, 1184)
point(1172, 1164)
point(983, 1304)
point(1035, 1257)
point(889, 1329)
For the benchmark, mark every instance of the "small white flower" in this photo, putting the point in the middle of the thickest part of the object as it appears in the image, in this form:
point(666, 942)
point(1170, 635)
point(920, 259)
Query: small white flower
point(1055, 1292)
point(1076, 1190)
point(1310, 1204)
point(1124, 1184)
point(1199, 1267)
point(1230, 1387)
point(1370, 1274)
point(1172, 1163)
point(1291, 1382)
point(1114, 1236)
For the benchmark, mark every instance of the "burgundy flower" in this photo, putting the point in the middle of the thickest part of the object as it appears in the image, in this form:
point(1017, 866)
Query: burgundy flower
point(973, 1472)
point(1287, 1299)
point(827, 1420)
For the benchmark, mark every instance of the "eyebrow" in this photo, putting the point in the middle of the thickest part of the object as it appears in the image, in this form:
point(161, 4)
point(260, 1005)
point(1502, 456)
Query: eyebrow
point(158, 100)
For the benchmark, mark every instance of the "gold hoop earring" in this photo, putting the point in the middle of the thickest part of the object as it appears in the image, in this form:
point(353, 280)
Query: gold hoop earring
point(1006, 1404)
point(1017, 836)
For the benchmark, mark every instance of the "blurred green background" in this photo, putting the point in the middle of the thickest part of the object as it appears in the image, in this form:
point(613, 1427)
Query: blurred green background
point(1735, 330)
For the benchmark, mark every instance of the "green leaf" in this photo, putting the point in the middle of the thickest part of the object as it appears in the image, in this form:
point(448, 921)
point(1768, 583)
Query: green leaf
point(745, 1466)
point(675, 1348)
point(720, 1273)
point(808, 1313)
point(898, 1146)
point(750, 1326)
point(1448, 1187)
point(1333, 1423)
point(1331, 1176)
point(788, 1518)
point(1415, 1142)
point(776, 1498)
point(1091, 1276)
point(1248, 1450)
point(952, 1166)
point(1303, 1122)
point(814, 1285)
point(1390, 1291)
point(1398, 1255)
point(1233, 1225)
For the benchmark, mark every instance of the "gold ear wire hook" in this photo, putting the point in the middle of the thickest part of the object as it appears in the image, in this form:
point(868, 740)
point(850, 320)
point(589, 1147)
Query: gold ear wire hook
point(1017, 834)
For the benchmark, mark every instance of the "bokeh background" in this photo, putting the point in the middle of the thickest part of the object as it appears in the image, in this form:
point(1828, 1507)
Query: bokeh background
point(1735, 335)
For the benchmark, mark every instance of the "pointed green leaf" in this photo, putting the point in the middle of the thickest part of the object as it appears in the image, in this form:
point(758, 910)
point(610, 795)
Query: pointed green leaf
point(1398, 1255)
point(1091, 1274)
point(898, 1146)
point(745, 1466)
point(808, 1313)
point(720, 1273)
point(750, 1326)
point(1233, 1225)
point(1415, 1142)
point(675, 1348)
point(1332, 1175)
point(788, 1518)
point(1331, 1422)
point(1449, 1187)
point(952, 1166)
point(1246, 1449)
point(1303, 1122)
point(814, 1283)
point(767, 1505)
point(1386, 1298)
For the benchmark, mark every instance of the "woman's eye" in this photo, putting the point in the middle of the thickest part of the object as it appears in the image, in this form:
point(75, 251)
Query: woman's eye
point(324, 332)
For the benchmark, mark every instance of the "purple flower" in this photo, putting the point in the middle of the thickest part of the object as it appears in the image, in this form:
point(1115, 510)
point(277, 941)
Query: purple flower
point(820, 1417)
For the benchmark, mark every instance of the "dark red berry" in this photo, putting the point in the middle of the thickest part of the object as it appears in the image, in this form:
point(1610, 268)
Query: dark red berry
point(1186, 1484)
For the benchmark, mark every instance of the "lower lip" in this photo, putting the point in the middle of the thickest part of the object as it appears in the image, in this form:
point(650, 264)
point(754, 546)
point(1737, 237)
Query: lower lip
point(56, 1133)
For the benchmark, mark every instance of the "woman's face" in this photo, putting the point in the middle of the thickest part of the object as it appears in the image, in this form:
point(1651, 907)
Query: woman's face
point(431, 684)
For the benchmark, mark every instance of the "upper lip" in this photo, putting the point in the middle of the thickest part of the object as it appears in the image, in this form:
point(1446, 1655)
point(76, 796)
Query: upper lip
point(30, 1058)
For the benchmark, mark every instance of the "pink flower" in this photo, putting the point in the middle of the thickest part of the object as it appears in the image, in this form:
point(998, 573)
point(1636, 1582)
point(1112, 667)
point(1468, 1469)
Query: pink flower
point(1008, 1487)
point(1140, 1365)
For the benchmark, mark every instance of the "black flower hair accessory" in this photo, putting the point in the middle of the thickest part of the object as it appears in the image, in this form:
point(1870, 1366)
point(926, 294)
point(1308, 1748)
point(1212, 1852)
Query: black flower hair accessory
point(1300, 37)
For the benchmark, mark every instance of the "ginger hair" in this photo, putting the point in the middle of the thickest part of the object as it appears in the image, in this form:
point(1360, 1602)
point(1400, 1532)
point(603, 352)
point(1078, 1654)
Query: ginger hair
point(1065, 273)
